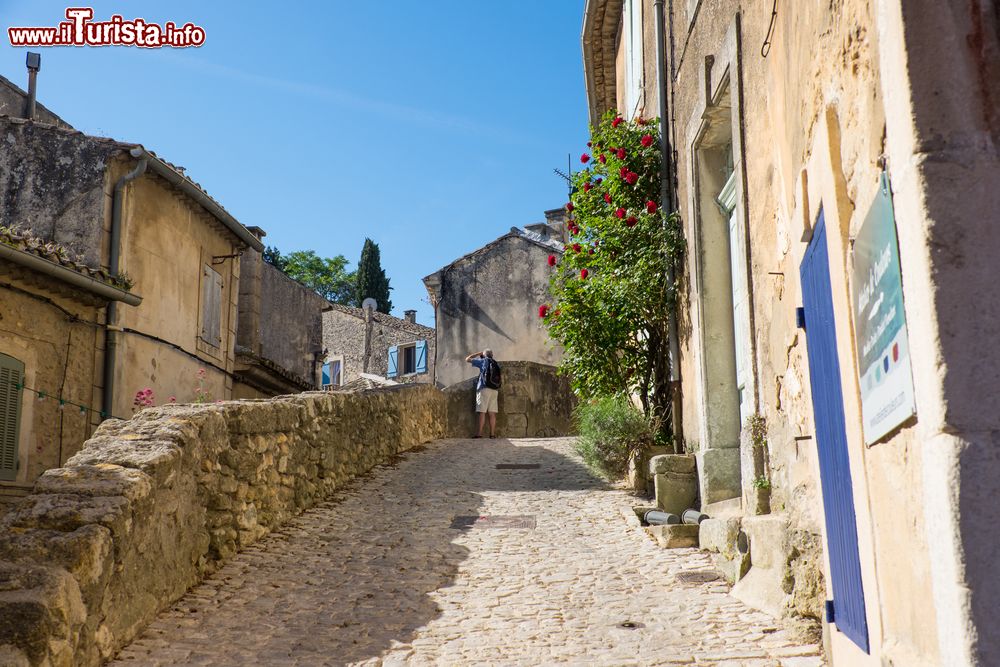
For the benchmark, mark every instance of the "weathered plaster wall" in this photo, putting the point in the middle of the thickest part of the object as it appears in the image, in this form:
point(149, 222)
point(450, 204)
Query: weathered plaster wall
point(279, 319)
point(344, 335)
point(13, 103)
point(166, 241)
point(52, 182)
point(153, 504)
point(37, 327)
point(490, 300)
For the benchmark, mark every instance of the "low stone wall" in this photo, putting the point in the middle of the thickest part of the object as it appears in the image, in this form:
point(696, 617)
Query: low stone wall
point(535, 402)
point(151, 505)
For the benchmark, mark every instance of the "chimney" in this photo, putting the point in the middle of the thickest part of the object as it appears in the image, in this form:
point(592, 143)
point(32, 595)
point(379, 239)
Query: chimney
point(34, 63)
point(410, 316)
point(258, 232)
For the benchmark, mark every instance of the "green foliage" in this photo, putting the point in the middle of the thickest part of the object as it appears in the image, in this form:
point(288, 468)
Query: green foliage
point(612, 321)
point(758, 430)
point(762, 483)
point(370, 279)
point(611, 430)
point(327, 276)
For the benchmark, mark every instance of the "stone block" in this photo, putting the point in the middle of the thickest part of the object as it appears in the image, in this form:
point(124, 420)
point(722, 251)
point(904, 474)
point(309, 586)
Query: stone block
point(675, 483)
point(102, 479)
point(672, 463)
point(719, 474)
point(674, 536)
point(719, 535)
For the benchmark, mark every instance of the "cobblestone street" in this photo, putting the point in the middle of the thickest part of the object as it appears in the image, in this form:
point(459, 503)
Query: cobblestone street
point(378, 576)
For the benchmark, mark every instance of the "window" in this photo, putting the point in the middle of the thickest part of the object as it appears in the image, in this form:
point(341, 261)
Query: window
point(11, 381)
point(632, 24)
point(211, 307)
point(332, 376)
point(407, 359)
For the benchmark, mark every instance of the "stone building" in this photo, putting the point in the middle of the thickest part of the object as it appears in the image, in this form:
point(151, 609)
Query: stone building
point(803, 136)
point(279, 331)
point(50, 326)
point(489, 298)
point(366, 342)
point(118, 210)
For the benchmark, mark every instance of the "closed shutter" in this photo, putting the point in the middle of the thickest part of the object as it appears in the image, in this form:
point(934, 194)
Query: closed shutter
point(633, 57)
point(11, 377)
point(211, 314)
point(393, 362)
point(421, 356)
point(326, 375)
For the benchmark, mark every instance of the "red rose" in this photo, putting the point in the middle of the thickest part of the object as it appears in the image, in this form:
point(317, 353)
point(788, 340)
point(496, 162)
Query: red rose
point(598, 181)
point(552, 260)
point(589, 144)
point(576, 247)
point(590, 252)
point(601, 158)
point(639, 121)
point(631, 177)
point(620, 213)
point(543, 310)
point(583, 274)
point(586, 187)
point(651, 207)
point(585, 158)
point(622, 172)
point(621, 153)
point(569, 206)
point(607, 197)
point(647, 140)
point(616, 122)
point(630, 222)
point(556, 313)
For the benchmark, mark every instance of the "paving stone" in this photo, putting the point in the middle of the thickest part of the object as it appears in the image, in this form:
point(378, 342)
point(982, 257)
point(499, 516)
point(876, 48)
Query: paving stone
point(376, 576)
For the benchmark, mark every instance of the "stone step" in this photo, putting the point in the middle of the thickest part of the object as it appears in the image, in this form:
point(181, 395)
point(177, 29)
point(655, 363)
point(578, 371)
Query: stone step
point(674, 536)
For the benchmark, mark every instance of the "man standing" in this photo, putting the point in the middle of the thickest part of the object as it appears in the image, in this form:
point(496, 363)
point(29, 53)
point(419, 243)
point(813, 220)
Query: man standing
point(487, 388)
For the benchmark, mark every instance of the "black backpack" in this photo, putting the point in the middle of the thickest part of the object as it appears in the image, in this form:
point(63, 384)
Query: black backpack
point(491, 374)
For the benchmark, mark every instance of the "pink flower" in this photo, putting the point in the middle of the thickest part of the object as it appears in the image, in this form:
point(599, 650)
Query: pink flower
point(552, 260)
point(543, 310)
point(583, 274)
point(585, 158)
point(651, 206)
point(647, 140)
point(173, 399)
point(620, 213)
point(616, 122)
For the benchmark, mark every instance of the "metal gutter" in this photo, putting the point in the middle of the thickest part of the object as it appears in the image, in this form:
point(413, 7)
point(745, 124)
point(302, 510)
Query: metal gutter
point(67, 275)
point(161, 168)
point(588, 53)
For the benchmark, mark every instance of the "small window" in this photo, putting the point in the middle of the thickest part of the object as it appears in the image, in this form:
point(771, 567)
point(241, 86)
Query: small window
point(211, 307)
point(11, 383)
point(332, 374)
point(408, 359)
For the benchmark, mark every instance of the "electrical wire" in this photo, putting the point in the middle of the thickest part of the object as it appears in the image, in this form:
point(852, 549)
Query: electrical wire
point(766, 46)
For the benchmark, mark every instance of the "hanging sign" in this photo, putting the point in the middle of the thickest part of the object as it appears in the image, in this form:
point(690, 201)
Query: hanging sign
point(883, 349)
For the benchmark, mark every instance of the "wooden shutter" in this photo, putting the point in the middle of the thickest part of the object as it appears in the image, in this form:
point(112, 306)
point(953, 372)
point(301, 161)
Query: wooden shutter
point(421, 356)
point(211, 313)
point(11, 375)
point(393, 365)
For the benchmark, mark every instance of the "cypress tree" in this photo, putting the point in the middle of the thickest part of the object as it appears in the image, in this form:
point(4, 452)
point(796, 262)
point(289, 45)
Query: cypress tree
point(371, 280)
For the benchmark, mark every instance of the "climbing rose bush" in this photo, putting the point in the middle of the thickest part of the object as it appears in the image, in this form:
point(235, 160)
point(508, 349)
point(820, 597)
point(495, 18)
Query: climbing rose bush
point(610, 303)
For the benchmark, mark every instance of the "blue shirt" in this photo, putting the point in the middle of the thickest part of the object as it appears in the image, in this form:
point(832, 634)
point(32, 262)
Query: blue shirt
point(480, 363)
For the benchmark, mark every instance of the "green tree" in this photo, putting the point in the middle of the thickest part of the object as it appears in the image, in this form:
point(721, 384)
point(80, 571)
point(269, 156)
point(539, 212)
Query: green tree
point(370, 280)
point(327, 276)
point(611, 301)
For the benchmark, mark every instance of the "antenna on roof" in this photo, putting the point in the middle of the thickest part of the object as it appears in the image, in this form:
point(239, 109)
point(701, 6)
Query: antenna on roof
point(34, 63)
point(568, 177)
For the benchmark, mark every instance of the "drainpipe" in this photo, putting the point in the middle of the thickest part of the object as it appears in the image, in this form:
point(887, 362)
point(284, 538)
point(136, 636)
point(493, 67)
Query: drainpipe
point(667, 203)
point(114, 259)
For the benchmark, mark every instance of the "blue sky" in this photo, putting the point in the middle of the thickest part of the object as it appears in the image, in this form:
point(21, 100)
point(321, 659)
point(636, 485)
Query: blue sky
point(431, 127)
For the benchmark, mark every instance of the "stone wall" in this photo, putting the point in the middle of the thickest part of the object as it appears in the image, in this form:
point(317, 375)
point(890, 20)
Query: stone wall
point(153, 504)
point(344, 338)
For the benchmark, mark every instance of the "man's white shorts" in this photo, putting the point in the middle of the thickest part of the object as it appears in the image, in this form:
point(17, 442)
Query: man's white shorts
point(486, 400)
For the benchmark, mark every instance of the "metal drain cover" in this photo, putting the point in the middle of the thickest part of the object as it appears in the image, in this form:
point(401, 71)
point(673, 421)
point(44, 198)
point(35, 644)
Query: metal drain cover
point(630, 625)
point(697, 577)
point(518, 466)
point(495, 521)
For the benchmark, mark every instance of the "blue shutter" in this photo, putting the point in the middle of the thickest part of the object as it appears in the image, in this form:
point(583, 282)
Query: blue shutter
point(421, 356)
point(393, 366)
point(326, 375)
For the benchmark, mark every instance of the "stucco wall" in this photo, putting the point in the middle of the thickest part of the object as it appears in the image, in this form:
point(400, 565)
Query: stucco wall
point(13, 100)
point(490, 300)
point(37, 328)
point(166, 241)
point(153, 504)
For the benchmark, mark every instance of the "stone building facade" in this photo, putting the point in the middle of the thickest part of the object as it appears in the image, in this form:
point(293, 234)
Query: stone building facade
point(50, 330)
point(364, 341)
point(489, 298)
point(271, 358)
point(788, 125)
point(117, 209)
